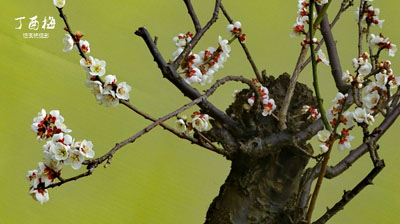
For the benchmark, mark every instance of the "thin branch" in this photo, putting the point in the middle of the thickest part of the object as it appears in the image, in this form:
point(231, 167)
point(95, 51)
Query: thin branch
point(245, 49)
point(290, 90)
point(189, 47)
point(348, 195)
point(68, 29)
point(193, 15)
point(314, 68)
point(168, 128)
point(87, 173)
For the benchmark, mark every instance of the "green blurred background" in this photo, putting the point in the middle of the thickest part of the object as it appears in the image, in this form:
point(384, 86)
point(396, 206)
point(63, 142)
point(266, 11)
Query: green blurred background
point(159, 179)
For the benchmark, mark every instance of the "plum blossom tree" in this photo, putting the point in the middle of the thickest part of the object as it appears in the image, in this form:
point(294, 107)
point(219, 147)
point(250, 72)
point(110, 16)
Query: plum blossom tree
point(265, 132)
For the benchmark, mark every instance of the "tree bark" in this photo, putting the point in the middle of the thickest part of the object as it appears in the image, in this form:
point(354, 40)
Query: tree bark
point(260, 191)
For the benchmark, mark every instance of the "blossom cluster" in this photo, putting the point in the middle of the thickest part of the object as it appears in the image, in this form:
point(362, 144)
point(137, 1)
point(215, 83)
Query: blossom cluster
point(200, 68)
point(60, 149)
point(369, 15)
point(107, 92)
point(383, 42)
point(268, 103)
point(236, 30)
point(313, 113)
point(303, 17)
point(199, 122)
point(374, 97)
point(301, 20)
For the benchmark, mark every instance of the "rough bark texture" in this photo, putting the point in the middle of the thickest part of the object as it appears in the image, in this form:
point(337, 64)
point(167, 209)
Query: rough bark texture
point(262, 189)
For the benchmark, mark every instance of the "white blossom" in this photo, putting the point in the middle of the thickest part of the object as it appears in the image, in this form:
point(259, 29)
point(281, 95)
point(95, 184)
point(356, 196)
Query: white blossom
point(347, 77)
point(322, 58)
point(269, 107)
point(323, 135)
point(84, 45)
point(68, 43)
point(60, 151)
point(85, 148)
point(234, 28)
point(359, 114)
point(200, 122)
point(86, 63)
point(224, 44)
point(123, 90)
point(75, 159)
point(39, 194)
point(365, 68)
point(180, 126)
point(324, 148)
point(381, 80)
point(59, 3)
point(97, 67)
point(371, 100)
point(109, 99)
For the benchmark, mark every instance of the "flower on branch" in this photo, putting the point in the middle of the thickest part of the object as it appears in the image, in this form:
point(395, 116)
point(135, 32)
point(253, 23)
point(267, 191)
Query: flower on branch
point(302, 18)
point(383, 43)
point(60, 149)
point(362, 65)
point(59, 3)
point(345, 138)
point(84, 45)
point(347, 77)
point(200, 121)
point(68, 43)
point(97, 67)
point(371, 100)
point(323, 135)
point(313, 113)
point(46, 125)
point(322, 58)
point(235, 28)
point(370, 16)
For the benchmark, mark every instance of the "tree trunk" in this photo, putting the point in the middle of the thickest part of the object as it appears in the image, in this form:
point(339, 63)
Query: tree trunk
point(260, 191)
point(262, 188)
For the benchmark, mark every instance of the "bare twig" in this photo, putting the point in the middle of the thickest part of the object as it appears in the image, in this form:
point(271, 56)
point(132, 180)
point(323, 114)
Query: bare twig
point(348, 195)
point(172, 130)
point(87, 173)
point(290, 90)
point(193, 15)
point(245, 49)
